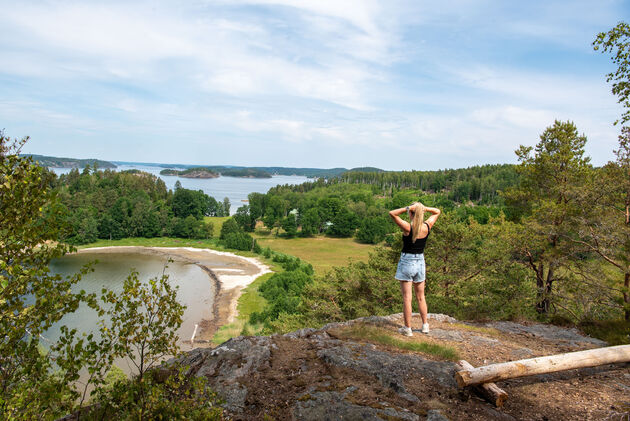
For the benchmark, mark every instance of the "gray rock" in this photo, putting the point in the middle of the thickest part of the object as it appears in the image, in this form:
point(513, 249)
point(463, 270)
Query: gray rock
point(302, 333)
point(521, 353)
point(435, 415)
point(483, 341)
point(390, 369)
point(319, 406)
point(223, 366)
point(449, 335)
point(547, 332)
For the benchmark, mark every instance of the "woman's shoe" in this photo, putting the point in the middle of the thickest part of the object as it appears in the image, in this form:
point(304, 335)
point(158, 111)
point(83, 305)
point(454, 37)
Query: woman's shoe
point(425, 328)
point(405, 331)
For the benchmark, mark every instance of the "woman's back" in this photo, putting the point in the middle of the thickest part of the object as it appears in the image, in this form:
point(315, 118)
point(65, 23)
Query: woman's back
point(415, 247)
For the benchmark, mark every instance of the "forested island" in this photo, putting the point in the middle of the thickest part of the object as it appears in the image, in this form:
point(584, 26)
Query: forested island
point(197, 172)
point(260, 172)
point(55, 162)
point(214, 172)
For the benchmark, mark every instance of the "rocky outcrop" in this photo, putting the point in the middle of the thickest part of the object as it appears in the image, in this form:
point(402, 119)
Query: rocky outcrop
point(199, 174)
point(330, 373)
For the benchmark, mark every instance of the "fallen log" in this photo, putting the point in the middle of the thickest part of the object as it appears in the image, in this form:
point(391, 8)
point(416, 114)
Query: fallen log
point(489, 391)
point(541, 365)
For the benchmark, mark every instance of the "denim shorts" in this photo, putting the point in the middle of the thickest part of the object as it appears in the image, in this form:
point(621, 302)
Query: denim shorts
point(411, 268)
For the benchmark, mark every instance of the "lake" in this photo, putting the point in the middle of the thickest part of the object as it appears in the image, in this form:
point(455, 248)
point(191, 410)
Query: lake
point(196, 289)
point(234, 188)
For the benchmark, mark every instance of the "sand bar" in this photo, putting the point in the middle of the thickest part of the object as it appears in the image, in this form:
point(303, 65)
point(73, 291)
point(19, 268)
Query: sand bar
point(230, 273)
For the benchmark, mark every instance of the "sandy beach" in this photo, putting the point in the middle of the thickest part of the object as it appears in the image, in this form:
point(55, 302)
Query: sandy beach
point(229, 272)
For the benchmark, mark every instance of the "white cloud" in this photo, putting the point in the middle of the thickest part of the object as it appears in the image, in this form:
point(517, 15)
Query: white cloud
point(395, 78)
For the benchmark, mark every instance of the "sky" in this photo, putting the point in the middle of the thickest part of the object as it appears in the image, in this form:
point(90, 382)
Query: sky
point(398, 85)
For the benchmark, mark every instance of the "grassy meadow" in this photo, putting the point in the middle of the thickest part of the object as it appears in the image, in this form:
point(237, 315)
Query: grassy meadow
point(322, 252)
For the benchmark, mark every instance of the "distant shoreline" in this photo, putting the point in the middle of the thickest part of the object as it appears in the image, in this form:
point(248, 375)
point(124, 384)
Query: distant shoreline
point(229, 281)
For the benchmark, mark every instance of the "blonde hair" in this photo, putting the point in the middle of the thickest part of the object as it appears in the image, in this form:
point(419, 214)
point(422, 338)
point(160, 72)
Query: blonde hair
point(417, 220)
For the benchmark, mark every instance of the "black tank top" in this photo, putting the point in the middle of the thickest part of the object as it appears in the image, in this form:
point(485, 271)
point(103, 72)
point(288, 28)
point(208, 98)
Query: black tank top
point(416, 247)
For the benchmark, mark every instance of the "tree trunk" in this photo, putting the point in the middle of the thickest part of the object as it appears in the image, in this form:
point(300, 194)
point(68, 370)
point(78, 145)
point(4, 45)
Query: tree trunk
point(542, 303)
point(541, 365)
point(626, 295)
point(548, 287)
point(489, 391)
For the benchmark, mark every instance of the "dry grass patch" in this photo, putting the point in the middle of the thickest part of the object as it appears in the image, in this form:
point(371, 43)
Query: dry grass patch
point(479, 329)
point(381, 336)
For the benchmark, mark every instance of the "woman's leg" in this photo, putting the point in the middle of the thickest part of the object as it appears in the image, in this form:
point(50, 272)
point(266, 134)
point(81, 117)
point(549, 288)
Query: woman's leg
point(405, 288)
point(422, 304)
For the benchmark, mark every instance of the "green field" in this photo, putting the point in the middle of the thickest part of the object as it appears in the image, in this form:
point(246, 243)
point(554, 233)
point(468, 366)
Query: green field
point(217, 222)
point(322, 252)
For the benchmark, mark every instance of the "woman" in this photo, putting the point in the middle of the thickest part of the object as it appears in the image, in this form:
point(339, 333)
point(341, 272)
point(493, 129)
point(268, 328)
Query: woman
point(411, 268)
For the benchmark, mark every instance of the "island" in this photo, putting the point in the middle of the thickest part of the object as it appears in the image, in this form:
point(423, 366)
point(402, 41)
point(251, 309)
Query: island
point(56, 162)
point(196, 172)
point(169, 171)
point(214, 172)
point(245, 173)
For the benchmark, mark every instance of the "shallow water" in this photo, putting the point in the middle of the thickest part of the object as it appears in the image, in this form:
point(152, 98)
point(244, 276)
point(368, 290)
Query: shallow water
point(196, 289)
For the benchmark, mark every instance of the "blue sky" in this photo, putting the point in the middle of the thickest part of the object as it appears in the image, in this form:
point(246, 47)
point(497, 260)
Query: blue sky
point(398, 85)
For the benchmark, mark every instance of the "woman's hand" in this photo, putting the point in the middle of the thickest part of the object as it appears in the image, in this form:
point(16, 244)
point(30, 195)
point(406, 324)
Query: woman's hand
point(404, 225)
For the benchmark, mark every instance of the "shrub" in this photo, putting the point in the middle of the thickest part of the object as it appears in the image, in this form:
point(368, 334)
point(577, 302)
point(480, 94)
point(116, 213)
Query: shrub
point(238, 241)
point(229, 226)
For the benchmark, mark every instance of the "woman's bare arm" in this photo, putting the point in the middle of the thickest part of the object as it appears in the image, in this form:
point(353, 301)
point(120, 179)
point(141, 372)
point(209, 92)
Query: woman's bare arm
point(435, 215)
point(395, 214)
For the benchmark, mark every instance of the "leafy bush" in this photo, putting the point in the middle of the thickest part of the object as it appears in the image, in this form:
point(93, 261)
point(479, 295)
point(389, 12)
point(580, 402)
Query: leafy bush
point(238, 241)
point(373, 230)
point(343, 224)
point(228, 227)
point(159, 396)
point(283, 291)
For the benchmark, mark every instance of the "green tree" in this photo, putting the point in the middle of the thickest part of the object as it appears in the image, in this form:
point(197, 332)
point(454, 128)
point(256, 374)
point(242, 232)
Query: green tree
point(226, 206)
point(31, 299)
point(328, 208)
point(239, 241)
point(374, 229)
point(256, 205)
point(143, 321)
point(244, 219)
point(310, 222)
point(37, 379)
point(84, 226)
point(549, 187)
point(289, 225)
point(617, 43)
point(343, 224)
point(229, 226)
point(603, 231)
point(189, 202)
